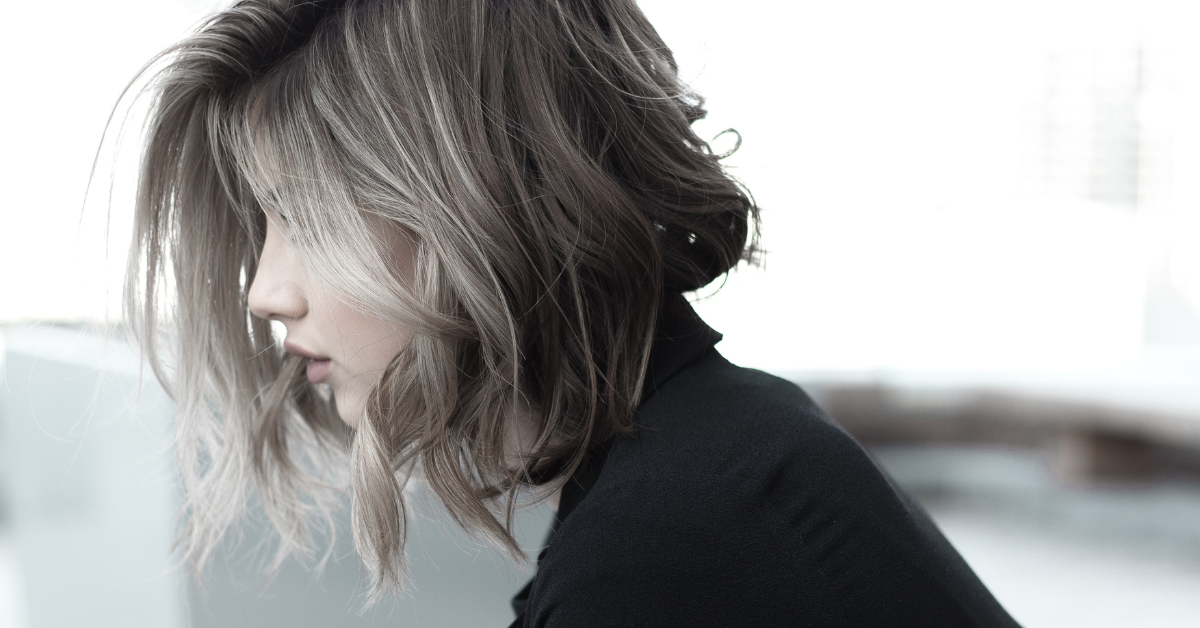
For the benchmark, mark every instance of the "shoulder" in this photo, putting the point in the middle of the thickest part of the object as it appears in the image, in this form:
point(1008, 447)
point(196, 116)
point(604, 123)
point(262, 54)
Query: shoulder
point(720, 448)
point(738, 422)
point(649, 554)
point(738, 501)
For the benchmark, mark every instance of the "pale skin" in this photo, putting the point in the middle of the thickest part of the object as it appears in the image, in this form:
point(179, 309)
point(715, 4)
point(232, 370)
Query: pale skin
point(347, 348)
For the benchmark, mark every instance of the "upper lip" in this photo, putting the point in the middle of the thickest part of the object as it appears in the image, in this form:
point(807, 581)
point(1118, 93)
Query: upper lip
point(296, 349)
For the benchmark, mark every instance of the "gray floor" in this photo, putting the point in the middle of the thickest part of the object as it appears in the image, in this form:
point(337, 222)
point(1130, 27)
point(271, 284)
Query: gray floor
point(1052, 578)
point(1045, 577)
point(456, 582)
point(89, 498)
point(1054, 557)
point(1099, 556)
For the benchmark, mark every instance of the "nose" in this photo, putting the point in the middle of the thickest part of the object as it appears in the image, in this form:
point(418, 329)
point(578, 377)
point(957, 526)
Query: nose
point(277, 290)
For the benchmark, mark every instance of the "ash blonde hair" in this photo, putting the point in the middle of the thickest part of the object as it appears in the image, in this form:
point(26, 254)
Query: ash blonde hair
point(538, 152)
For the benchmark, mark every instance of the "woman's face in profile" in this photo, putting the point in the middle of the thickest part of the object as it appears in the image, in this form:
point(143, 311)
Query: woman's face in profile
point(345, 348)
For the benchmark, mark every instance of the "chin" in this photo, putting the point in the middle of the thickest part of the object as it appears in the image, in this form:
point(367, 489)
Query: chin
point(350, 413)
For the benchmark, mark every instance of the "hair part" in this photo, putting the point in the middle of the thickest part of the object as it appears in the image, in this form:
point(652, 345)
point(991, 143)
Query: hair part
point(540, 155)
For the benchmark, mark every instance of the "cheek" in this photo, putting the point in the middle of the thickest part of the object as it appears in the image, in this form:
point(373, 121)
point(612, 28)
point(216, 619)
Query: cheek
point(362, 347)
point(366, 344)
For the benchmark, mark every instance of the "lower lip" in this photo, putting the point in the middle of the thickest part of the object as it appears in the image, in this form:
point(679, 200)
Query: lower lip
point(318, 370)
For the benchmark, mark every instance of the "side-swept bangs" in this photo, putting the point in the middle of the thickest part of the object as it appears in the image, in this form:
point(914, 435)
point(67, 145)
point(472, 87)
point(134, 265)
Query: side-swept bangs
point(539, 153)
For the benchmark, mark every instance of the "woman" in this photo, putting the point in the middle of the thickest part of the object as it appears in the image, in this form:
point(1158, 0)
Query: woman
point(475, 220)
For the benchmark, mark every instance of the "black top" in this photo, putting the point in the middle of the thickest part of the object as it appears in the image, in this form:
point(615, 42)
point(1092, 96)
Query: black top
point(738, 503)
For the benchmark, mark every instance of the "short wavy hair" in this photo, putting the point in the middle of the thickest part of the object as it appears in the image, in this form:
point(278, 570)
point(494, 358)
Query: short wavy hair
point(541, 155)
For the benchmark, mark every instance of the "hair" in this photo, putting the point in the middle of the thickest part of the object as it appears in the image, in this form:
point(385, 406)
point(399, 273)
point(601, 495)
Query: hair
point(540, 155)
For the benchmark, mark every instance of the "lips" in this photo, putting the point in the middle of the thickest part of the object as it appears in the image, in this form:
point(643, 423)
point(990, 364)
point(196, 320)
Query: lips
point(318, 370)
point(319, 366)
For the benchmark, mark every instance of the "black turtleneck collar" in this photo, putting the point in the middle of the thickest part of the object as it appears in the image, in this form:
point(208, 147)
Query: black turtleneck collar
point(681, 338)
